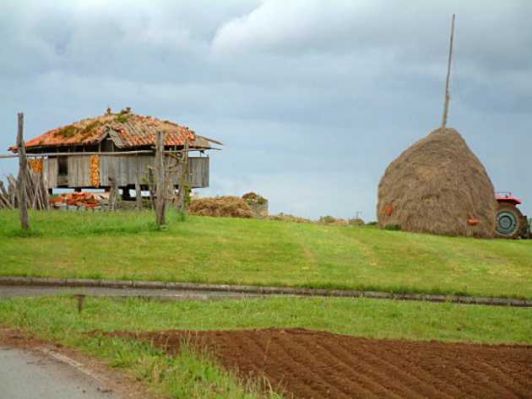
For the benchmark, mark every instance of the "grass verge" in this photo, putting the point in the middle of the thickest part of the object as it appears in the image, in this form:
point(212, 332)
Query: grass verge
point(57, 317)
point(197, 375)
point(126, 245)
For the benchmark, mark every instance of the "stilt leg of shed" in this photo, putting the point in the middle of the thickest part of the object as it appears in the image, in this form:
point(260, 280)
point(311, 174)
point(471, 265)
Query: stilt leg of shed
point(125, 193)
point(138, 195)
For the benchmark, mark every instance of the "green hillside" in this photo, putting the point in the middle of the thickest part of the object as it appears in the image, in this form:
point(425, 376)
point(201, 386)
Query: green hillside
point(126, 245)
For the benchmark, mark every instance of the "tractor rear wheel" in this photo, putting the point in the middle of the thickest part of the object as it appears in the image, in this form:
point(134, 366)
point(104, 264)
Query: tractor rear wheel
point(510, 221)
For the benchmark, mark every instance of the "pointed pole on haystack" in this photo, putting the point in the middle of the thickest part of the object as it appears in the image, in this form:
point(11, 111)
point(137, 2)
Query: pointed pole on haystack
point(447, 95)
point(22, 175)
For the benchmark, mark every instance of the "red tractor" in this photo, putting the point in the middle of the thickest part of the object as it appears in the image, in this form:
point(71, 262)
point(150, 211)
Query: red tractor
point(511, 223)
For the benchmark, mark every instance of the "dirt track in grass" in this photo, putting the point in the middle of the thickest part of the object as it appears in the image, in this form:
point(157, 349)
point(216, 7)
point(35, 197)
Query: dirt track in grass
point(312, 364)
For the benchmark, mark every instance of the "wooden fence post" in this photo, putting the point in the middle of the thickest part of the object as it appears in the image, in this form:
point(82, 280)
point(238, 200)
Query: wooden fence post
point(138, 189)
point(138, 195)
point(113, 185)
point(113, 191)
point(22, 174)
point(183, 180)
point(160, 170)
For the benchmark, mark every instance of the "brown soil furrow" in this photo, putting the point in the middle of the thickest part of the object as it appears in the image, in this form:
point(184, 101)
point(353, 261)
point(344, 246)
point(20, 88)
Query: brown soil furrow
point(279, 360)
point(476, 371)
point(384, 384)
point(389, 371)
point(331, 385)
point(523, 381)
point(498, 381)
point(474, 383)
point(463, 366)
point(384, 373)
point(232, 357)
point(278, 375)
point(406, 369)
point(520, 380)
point(344, 372)
point(313, 364)
point(473, 379)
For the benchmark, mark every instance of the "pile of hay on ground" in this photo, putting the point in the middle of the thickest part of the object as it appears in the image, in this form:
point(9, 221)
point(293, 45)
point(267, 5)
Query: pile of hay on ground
point(438, 186)
point(257, 203)
point(254, 198)
point(286, 217)
point(332, 220)
point(356, 222)
point(221, 207)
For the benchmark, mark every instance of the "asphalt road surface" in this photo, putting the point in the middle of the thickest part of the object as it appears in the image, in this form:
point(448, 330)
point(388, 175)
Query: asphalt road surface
point(31, 375)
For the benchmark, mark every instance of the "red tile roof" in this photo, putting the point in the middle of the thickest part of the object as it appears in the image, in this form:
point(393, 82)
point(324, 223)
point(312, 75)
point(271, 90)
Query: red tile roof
point(126, 129)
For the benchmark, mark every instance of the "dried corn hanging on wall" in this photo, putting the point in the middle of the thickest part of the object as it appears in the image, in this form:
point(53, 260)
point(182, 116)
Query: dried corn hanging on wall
point(36, 165)
point(95, 170)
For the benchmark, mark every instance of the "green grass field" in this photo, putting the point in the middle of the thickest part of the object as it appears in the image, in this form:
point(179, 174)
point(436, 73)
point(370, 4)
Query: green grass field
point(372, 318)
point(126, 245)
point(197, 375)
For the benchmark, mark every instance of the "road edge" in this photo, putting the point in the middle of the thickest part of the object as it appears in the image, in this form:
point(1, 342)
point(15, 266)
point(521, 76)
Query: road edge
point(260, 290)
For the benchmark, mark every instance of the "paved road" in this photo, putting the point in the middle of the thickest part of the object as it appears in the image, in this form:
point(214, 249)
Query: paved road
point(32, 291)
point(29, 375)
point(23, 286)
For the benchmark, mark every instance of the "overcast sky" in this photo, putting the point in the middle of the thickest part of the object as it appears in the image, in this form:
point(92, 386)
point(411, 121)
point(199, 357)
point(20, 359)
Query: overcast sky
point(313, 99)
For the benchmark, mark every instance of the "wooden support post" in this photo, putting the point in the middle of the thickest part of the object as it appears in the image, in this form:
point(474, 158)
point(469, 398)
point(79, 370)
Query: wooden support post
point(183, 180)
point(138, 189)
point(113, 192)
point(113, 186)
point(22, 174)
point(126, 195)
point(138, 195)
point(447, 92)
point(151, 186)
point(160, 171)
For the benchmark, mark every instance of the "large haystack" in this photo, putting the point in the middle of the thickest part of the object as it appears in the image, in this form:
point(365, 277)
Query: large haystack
point(438, 186)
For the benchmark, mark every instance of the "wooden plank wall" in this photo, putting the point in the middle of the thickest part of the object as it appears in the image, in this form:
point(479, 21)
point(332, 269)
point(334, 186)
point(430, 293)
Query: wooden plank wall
point(79, 171)
point(126, 169)
point(50, 170)
point(199, 172)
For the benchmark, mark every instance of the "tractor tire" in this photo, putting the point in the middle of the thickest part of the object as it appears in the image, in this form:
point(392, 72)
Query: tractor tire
point(510, 221)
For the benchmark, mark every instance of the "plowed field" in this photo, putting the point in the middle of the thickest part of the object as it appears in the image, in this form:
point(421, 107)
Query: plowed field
point(311, 364)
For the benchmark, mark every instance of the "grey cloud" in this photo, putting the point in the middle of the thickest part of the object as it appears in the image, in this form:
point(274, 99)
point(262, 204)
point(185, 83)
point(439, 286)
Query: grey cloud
point(301, 92)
